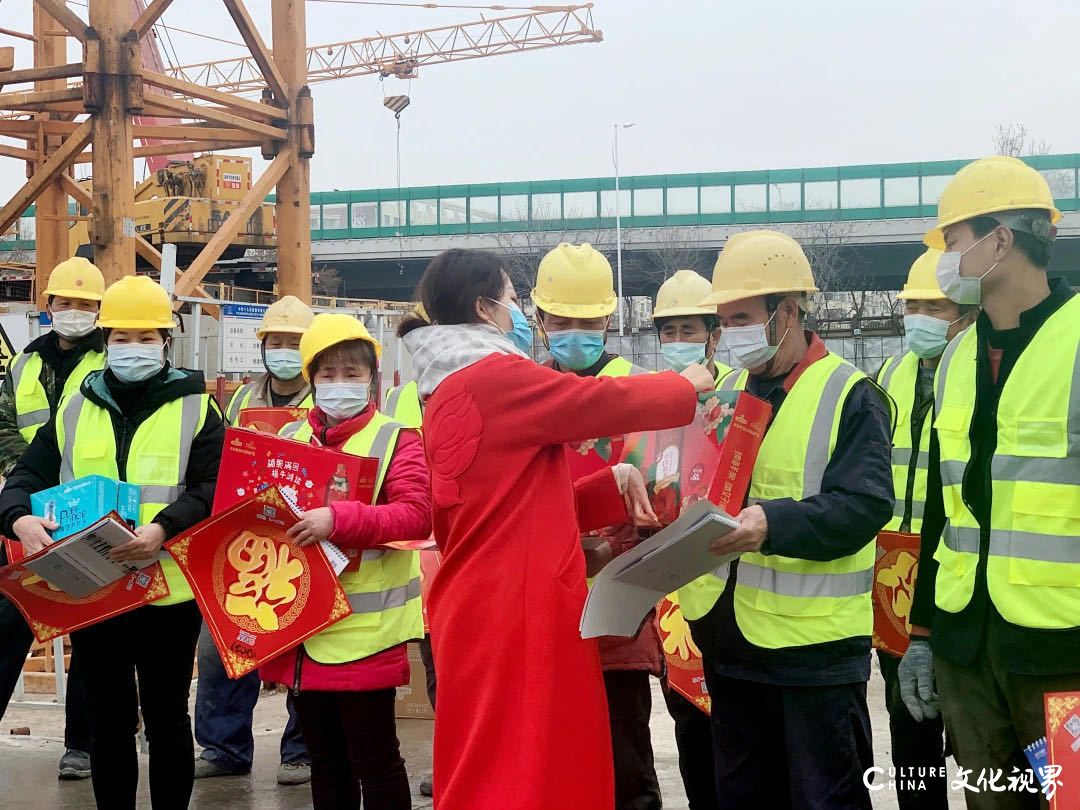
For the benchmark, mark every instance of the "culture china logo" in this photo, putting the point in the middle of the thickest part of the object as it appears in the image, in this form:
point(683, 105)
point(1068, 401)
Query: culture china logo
point(261, 582)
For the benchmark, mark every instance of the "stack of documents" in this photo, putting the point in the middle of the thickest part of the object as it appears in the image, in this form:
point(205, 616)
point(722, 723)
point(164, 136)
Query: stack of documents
point(630, 585)
point(80, 563)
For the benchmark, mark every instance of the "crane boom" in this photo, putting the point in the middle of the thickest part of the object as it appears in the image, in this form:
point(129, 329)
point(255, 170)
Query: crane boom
point(403, 54)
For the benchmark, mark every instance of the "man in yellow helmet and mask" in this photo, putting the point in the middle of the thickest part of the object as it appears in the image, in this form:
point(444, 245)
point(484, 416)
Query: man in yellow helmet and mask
point(38, 377)
point(224, 707)
point(996, 613)
point(282, 386)
point(931, 320)
point(785, 630)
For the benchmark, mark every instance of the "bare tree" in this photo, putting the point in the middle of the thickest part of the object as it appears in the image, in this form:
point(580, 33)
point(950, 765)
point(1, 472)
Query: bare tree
point(1014, 140)
point(660, 252)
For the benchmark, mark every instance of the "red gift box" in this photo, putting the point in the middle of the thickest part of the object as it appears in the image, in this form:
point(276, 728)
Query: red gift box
point(1063, 749)
point(685, 671)
point(269, 420)
point(260, 595)
point(895, 569)
point(51, 613)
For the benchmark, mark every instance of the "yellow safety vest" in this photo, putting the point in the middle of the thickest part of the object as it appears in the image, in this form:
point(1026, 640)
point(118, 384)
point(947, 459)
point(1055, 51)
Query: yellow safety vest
point(403, 405)
point(157, 458)
point(32, 408)
point(1033, 567)
point(242, 396)
point(785, 601)
point(385, 592)
point(899, 377)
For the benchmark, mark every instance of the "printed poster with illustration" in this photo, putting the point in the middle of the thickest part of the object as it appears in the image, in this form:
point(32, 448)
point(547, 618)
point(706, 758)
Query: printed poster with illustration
point(260, 595)
point(712, 459)
point(51, 613)
point(895, 569)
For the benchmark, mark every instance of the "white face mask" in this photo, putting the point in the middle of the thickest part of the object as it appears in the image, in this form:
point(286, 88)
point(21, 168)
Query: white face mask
point(749, 346)
point(73, 323)
point(342, 400)
point(135, 362)
point(959, 289)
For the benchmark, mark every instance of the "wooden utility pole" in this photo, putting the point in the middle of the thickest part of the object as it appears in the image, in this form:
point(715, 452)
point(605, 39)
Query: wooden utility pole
point(51, 212)
point(113, 92)
point(293, 207)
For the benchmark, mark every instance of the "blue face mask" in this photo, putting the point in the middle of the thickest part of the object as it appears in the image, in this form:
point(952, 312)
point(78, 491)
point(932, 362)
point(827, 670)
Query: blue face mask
point(926, 336)
point(520, 334)
point(284, 364)
point(679, 356)
point(577, 349)
point(135, 362)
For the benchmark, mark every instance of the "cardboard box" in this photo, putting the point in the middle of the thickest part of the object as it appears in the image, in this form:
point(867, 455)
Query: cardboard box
point(412, 700)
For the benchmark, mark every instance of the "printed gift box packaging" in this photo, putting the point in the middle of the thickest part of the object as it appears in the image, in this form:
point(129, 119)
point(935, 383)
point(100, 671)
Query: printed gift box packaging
point(1061, 779)
point(895, 569)
point(260, 594)
point(269, 420)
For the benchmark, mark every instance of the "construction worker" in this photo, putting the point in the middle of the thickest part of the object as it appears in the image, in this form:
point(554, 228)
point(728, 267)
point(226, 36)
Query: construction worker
point(282, 386)
point(785, 630)
point(689, 334)
point(38, 377)
point(574, 299)
point(930, 321)
point(997, 600)
point(402, 402)
point(224, 707)
point(140, 420)
point(344, 678)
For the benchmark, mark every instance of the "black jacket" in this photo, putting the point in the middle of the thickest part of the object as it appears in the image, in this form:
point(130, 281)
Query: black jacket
point(855, 502)
point(958, 637)
point(129, 405)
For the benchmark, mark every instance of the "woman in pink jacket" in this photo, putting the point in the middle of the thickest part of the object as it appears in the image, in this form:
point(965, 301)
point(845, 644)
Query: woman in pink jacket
point(344, 679)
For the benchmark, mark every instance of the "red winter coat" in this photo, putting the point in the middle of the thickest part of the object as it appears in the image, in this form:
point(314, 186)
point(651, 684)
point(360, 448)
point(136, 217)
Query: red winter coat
point(401, 512)
point(522, 720)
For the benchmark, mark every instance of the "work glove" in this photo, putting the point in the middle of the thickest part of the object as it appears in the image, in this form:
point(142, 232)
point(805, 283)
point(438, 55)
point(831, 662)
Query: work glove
point(916, 676)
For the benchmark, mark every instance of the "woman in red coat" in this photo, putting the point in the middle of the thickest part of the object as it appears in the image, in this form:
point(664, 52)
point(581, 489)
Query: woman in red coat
point(522, 722)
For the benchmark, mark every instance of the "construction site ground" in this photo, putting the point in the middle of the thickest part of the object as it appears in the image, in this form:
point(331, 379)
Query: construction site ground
point(28, 764)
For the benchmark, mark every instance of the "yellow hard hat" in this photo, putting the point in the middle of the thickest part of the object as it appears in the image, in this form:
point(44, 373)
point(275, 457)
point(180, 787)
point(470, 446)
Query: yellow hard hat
point(420, 312)
point(575, 281)
point(989, 186)
point(756, 263)
point(76, 278)
point(288, 314)
point(922, 283)
point(136, 302)
point(682, 294)
point(329, 329)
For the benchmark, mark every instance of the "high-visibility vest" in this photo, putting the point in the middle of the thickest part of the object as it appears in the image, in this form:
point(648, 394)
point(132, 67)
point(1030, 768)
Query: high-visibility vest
point(403, 405)
point(899, 377)
point(157, 459)
point(32, 408)
point(1033, 565)
point(384, 592)
point(784, 601)
point(242, 396)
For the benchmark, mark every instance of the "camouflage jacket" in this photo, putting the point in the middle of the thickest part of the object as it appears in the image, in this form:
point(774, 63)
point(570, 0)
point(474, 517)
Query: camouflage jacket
point(12, 444)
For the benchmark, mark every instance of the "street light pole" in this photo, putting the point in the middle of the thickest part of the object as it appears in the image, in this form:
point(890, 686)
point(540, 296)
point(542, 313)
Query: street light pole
point(618, 226)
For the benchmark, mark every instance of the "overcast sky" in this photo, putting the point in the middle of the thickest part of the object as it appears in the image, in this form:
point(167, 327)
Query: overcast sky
point(712, 86)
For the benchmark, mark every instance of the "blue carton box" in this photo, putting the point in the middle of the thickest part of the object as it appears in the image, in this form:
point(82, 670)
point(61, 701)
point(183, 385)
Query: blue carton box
point(80, 503)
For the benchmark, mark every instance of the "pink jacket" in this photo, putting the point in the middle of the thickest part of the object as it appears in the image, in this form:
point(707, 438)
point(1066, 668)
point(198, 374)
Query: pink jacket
point(401, 512)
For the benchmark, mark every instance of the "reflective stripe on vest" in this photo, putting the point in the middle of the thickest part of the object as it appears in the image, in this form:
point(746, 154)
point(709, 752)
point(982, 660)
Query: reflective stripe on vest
point(31, 400)
point(157, 460)
point(735, 381)
point(781, 601)
point(240, 398)
point(384, 594)
point(899, 378)
point(1033, 537)
point(403, 405)
point(290, 430)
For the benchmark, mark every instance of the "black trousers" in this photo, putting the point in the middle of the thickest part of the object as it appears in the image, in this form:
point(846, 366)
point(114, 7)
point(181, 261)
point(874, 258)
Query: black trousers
point(693, 738)
point(428, 658)
point(145, 658)
point(915, 745)
point(797, 747)
point(629, 698)
point(352, 739)
point(15, 641)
